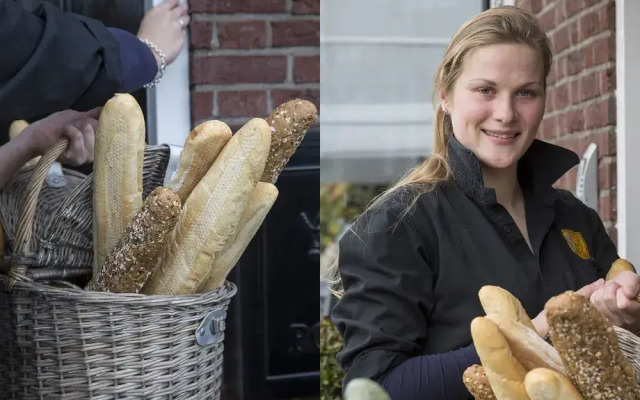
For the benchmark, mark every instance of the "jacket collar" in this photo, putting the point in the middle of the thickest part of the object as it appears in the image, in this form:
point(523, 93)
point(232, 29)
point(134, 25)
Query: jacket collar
point(539, 168)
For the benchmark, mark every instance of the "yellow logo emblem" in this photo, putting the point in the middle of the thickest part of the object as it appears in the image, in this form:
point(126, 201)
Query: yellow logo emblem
point(576, 242)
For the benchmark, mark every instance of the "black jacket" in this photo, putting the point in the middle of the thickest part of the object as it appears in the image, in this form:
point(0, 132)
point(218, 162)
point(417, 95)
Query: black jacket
point(51, 61)
point(411, 283)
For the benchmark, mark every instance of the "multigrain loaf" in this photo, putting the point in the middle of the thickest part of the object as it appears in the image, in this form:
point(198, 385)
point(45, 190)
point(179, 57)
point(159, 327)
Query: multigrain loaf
point(477, 383)
point(135, 255)
point(117, 172)
point(288, 123)
point(588, 346)
point(211, 214)
point(201, 148)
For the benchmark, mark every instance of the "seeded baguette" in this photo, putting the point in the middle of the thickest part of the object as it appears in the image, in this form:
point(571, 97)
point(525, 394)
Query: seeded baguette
point(198, 153)
point(212, 212)
point(261, 201)
point(134, 257)
point(117, 172)
point(477, 383)
point(588, 345)
point(289, 123)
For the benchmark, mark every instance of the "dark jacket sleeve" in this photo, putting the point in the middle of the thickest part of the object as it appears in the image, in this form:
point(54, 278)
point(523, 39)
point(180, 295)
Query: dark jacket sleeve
point(604, 250)
point(388, 294)
point(53, 61)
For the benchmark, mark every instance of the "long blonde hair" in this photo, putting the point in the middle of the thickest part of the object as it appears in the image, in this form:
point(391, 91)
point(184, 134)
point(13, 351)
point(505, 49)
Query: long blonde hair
point(498, 25)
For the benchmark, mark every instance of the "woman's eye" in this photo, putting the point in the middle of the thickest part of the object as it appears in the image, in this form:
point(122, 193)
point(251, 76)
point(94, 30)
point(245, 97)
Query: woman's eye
point(485, 90)
point(526, 93)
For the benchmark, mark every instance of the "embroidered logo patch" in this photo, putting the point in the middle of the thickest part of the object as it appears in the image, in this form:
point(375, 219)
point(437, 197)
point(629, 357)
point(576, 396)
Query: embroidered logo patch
point(576, 242)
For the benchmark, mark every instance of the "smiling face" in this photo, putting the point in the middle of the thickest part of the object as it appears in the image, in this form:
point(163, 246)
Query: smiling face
point(497, 102)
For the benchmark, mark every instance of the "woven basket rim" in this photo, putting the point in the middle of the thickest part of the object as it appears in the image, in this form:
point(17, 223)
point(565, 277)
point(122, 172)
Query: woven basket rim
point(225, 292)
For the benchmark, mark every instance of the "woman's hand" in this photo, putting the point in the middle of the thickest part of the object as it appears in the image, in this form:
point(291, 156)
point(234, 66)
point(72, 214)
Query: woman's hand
point(164, 26)
point(616, 301)
point(79, 127)
point(540, 321)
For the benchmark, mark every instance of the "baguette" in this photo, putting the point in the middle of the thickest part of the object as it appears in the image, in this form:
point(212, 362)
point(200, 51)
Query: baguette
point(16, 128)
point(527, 346)
point(261, 201)
point(364, 389)
point(504, 371)
point(211, 214)
point(117, 172)
point(477, 383)
point(618, 266)
point(200, 150)
point(547, 384)
point(289, 123)
point(588, 345)
point(496, 300)
point(134, 257)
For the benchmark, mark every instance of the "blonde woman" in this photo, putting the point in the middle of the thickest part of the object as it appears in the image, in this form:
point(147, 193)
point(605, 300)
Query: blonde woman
point(481, 210)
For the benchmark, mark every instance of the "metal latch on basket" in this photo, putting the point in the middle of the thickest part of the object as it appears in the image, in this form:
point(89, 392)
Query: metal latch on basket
point(55, 176)
point(172, 164)
point(211, 330)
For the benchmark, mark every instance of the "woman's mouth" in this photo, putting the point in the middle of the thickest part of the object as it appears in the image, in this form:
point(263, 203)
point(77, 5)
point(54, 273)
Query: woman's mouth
point(502, 137)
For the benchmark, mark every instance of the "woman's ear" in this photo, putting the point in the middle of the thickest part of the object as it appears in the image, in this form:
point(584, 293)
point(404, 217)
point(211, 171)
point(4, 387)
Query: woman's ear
point(444, 101)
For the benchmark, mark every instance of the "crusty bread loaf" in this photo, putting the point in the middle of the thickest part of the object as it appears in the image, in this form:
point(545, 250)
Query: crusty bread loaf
point(618, 266)
point(16, 128)
point(504, 371)
point(589, 349)
point(117, 172)
point(134, 257)
point(289, 123)
point(496, 300)
point(212, 212)
point(477, 383)
point(547, 384)
point(527, 346)
point(198, 153)
point(261, 201)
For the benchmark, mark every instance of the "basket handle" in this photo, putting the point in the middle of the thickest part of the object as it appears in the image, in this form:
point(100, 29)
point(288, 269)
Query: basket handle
point(26, 217)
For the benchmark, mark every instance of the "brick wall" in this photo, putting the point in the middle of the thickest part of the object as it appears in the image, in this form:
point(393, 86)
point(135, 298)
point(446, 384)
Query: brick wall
point(581, 102)
point(249, 56)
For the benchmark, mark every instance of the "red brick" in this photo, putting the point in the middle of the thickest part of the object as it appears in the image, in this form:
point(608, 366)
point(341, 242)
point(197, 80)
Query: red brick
point(575, 120)
point(201, 105)
point(575, 62)
point(242, 34)
point(306, 69)
point(238, 6)
point(561, 94)
point(589, 25)
point(296, 33)
point(536, 6)
point(525, 5)
point(550, 100)
point(239, 69)
point(306, 7)
point(590, 86)
point(245, 103)
point(613, 233)
point(547, 2)
point(607, 207)
point(574, 91)
point(547, 20)
point(608, 80)
point(601, 113)
point(573, 32)
point(549, 128)
point(606, 142)
point(201, 34)
point(608, 16)
point(560, 39)
point(588, 56)
point(604, 50)
point(607, 175)
point(573, 7)
point(561, 67)
point(279, 96)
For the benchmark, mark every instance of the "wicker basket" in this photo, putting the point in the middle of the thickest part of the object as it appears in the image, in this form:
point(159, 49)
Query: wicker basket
point(61, 342)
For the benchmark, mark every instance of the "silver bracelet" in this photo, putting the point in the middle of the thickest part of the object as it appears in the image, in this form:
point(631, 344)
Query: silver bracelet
point(163, 63)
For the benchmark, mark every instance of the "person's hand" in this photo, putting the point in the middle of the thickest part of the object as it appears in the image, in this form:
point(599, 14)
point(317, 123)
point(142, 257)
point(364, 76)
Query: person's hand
point(164, 26)
point(79, 127)
point(540, 321)
point(616, 301)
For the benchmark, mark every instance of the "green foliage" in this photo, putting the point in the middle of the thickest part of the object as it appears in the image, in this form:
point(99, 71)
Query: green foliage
point(331, 375)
